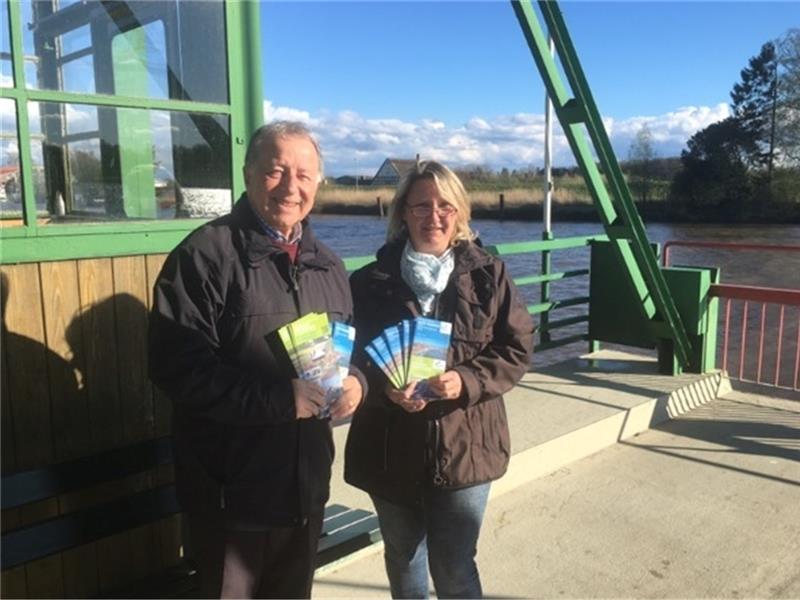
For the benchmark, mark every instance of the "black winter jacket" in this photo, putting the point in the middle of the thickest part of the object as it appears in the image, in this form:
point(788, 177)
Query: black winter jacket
point(450, 444)
point(213, 349)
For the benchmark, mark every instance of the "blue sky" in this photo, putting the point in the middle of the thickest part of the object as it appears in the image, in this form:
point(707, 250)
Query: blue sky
point(455, 80)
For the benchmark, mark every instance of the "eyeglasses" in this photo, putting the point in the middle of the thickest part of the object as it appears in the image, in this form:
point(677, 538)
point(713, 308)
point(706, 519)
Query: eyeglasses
point(423, 211)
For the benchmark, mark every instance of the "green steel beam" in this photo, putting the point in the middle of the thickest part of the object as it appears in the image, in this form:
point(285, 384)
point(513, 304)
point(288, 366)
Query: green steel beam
point(565, 341)
point(23, 125)
point(356, 262)
point(243, 34)
point(558, 324)
point(66, 247)
point(578, 115)
point(531, 279)
point(115, 101)
point(539, 246)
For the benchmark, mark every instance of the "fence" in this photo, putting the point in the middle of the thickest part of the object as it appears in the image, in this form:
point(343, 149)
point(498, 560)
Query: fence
point(547, 303)
point(764, 349)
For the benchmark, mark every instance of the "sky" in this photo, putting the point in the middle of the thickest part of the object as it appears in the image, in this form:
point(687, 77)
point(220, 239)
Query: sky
point(455, 81)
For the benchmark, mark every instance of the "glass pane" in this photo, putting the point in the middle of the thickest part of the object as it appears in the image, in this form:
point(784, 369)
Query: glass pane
point(99, 163)
point(155, 49)
point(10, 180)
point(6, 73)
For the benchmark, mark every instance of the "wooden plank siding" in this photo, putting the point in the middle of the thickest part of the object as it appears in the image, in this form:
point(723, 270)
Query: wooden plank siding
point(74, 383)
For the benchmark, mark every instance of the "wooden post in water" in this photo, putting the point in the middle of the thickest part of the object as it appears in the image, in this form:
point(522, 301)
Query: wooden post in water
point(380, 206)
point(502, 207)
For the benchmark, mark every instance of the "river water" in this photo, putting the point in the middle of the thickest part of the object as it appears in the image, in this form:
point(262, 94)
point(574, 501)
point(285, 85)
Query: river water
point(362, 235)
point(358, 236)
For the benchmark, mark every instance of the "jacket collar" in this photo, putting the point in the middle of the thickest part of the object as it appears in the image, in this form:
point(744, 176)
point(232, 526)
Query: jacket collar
point(257, 246)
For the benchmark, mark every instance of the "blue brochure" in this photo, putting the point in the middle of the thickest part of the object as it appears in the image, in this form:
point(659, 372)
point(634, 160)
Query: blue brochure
point(412, 351)
point(379, 352)
point(343, 337)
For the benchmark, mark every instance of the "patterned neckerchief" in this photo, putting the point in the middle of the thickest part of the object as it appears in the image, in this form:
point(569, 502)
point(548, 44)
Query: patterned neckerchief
point(427, 275)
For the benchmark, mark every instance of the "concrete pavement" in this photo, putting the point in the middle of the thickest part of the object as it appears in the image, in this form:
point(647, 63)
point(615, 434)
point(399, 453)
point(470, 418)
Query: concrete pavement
point(703, 506)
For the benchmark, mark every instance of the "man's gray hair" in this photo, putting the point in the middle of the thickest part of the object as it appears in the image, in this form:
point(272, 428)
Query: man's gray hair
point(277, 129)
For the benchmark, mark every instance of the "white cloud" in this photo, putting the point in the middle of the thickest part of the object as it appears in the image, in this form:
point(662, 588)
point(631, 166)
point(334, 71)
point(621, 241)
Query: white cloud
point(272, 113)
point(351, 141)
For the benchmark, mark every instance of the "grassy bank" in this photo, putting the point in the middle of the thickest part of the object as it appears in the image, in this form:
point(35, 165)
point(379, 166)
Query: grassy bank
point(571, 202)
point(348, 200)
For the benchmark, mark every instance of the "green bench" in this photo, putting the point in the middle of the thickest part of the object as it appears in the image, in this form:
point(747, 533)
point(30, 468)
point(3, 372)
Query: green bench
point(345, 530)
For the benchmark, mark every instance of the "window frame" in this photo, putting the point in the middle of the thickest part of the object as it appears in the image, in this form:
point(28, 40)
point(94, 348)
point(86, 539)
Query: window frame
point(33, 242)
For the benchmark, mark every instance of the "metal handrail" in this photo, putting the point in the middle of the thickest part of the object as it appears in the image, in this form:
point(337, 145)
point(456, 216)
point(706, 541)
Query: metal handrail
point(724, 246)
point(782, 298)
point(758, 294)
point(546, 304)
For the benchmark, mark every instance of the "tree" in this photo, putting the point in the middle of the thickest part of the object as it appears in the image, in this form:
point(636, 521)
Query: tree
point(754, 104)
point(85, 166)
point(788, 118)
point(714, 172)
point(641, 155)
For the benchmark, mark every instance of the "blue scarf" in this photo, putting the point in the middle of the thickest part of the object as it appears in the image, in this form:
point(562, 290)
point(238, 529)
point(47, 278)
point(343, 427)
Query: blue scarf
point(427, 275)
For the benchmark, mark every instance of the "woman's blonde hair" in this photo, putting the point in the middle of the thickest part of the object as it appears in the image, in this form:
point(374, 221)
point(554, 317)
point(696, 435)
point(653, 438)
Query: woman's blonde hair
point(450, 188)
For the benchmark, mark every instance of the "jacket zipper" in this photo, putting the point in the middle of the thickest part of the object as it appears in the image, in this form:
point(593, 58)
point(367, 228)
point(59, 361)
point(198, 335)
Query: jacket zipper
point(293, 272)
point(293, 277)
point(438, 480)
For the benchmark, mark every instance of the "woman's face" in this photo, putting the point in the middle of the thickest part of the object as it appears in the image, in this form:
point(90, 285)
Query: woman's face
point(430, 219)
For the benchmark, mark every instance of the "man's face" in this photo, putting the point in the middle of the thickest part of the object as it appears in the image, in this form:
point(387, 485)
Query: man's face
point(282, 184)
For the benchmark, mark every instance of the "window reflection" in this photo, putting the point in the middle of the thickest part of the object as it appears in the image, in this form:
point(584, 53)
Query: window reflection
point(10, 180)
point(99, 163)
point(6, 76)
point(158, 49)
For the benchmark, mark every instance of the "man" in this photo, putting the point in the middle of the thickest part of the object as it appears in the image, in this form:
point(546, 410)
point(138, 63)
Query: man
point(252, 460)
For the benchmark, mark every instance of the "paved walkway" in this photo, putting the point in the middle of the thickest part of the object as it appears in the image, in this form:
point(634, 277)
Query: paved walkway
point(703, 506)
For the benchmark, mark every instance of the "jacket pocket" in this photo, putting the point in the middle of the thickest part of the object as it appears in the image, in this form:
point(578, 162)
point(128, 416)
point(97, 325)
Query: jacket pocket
point(474, 316)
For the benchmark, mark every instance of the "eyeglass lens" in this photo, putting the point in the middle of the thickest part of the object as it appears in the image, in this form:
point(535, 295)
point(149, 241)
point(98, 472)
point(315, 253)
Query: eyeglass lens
point(425, 210)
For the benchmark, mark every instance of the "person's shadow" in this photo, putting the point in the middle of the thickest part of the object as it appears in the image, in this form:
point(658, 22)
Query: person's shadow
point(95, 397)
point(41, 400)
point(108, 341)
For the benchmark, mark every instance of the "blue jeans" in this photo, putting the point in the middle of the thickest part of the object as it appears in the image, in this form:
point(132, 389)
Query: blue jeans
point(442, 534)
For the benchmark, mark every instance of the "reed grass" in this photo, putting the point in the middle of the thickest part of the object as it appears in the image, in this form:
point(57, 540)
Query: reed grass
point(366, 197)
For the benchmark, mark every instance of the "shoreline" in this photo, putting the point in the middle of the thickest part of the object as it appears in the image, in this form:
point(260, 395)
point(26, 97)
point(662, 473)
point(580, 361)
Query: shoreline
point(782, 214)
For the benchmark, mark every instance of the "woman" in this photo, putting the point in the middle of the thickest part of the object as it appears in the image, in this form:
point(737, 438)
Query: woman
point(428, 462)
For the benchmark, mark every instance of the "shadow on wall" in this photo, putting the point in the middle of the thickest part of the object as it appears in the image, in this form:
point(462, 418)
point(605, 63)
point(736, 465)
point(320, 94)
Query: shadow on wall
point(92, 395)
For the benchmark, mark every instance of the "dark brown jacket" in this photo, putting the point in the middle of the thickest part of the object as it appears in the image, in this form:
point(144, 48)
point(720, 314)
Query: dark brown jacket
point(450, 444)
point(240, 452)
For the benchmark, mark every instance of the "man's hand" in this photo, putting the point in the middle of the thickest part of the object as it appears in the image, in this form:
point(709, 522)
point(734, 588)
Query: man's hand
point(404, 398)
point(348, 402)
point(309, 398)
point(447, 386)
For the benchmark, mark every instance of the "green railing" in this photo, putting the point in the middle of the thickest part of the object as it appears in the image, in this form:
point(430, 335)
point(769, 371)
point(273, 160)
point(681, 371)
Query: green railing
point(546, 304)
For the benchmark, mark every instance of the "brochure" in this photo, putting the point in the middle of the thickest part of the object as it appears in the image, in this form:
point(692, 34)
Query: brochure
point(309, 342)
point(412, 350)
point(429, 348)
point(380, 353)
point(343, 336)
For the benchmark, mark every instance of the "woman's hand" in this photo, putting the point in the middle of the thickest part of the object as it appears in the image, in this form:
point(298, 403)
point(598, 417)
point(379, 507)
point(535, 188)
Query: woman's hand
point(446, 386)
point(348, 402)
point(405, 398)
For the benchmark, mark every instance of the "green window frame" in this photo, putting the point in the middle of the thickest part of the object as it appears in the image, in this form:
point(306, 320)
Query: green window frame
point(31, 242)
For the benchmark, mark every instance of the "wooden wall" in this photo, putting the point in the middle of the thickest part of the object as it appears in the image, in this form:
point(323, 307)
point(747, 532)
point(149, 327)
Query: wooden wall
point(74, 383)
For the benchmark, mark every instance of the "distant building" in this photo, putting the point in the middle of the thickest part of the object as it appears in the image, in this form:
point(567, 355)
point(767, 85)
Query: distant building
point(391, 170)
point(351, 180)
